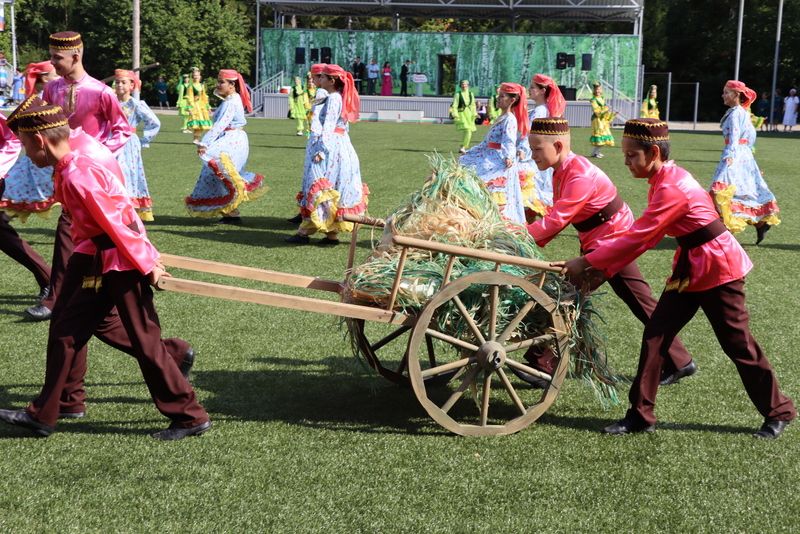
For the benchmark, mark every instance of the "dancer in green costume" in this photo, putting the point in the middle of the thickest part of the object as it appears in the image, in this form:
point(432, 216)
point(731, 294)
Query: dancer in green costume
point(463, 112)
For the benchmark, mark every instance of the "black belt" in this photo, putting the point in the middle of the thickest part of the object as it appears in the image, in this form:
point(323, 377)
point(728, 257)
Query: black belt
point(601, 216)
point(103, 242)
point(681, 274)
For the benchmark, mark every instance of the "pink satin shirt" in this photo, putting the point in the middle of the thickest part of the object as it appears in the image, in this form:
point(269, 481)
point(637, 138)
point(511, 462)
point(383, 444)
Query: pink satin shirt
point(9, 149)
point(676, 206)
point(580, 190)
point(96, 199)
point(96, 110)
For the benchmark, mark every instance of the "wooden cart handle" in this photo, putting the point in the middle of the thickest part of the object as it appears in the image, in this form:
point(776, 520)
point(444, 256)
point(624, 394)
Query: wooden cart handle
point(363, 219)
point(456, 250)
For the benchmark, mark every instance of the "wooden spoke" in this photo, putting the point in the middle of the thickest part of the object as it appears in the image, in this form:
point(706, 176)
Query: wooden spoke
point(515, 321)
point(487, 390)
point(527, 369)
point(529, 342)
point(495, 297)
point(470, 321)
point(448, 367)
point(391, 337)
point(452, 340)
point(511, 392)
point(469, 379)
point(431, 355)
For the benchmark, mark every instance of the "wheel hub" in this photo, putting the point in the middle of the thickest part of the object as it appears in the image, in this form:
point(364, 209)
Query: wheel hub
point(491, 355)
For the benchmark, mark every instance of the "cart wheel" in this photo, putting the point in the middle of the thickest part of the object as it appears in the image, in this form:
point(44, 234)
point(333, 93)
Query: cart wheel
point(486, 356)
point(388, 354)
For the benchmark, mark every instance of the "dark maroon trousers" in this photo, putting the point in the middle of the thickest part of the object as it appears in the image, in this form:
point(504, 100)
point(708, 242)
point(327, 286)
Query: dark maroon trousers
point(635, 292)
point(20, 251)
point(726, 311)
point(110, 330)
point(62, 250)
point(79, 313)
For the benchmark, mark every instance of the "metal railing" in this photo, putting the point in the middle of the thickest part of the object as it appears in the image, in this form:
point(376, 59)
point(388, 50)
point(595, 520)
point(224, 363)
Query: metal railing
point(271, 85)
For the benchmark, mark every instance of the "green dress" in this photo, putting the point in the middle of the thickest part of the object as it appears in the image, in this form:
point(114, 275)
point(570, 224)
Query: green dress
point(463, 110)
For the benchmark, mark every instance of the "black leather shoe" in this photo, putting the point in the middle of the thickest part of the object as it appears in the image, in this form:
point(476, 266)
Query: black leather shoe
point(534, 381)
point(627, 426)
point(71, 415)
point(771, 429)
point(761, 231)
point(187, 363)
point(683, 372)
point(44, 292)
point(38, 313)
point(23, 419)
point(297, 219)
point(175, 433)
point(298, 239)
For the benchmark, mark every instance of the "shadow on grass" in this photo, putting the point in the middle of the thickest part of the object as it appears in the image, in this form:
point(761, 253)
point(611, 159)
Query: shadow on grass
point(303, 394)
point(774, 246)
point(258, 231)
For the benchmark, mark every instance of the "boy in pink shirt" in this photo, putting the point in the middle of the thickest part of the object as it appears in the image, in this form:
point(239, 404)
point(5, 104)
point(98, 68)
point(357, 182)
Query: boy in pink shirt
point(585, 197)
point(112, 262)
point(708, 272)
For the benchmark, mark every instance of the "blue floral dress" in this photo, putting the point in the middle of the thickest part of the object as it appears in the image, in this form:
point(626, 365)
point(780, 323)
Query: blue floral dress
point(313, 171)
point(130, 157)
point(739, 190)
point(223, 183)
point(488, 161)
point(333, 187)
point(536, 185)
point(28, 189)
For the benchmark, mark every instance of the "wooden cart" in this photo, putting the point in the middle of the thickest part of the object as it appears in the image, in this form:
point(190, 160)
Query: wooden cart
point(485, 360)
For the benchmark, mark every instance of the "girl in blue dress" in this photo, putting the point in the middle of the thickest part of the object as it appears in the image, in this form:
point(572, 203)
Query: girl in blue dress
point(332, 183)
point(130, 156)
point(223, 183)
point(536, 185)
point(28, 188)
point(311, 169)
point(740, 193)
point(494, 159)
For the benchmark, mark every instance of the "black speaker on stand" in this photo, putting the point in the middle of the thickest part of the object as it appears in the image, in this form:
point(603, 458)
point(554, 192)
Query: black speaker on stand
point(586, 62)
point(314, 55)
point(300, 56)
point(569, 93)
point(325, 55)
point(570, 60)
point(561, 61)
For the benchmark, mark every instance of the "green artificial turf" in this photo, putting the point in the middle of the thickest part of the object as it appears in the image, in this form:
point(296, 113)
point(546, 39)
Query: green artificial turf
point(307, 439)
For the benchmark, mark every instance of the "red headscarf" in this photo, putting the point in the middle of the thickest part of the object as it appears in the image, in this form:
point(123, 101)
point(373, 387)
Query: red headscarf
point(351, 103)
point(32, 72)
point(747, 95)
point(520, 109)
point(555, 100)
point(230, 74)
point(318, 68)
point(120, 74)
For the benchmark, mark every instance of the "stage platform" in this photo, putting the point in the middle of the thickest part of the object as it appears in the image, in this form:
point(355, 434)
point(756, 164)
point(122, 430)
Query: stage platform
point(434, 109)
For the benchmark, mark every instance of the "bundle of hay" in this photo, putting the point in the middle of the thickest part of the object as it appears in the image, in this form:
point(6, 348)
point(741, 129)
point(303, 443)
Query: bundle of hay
point(454, 207)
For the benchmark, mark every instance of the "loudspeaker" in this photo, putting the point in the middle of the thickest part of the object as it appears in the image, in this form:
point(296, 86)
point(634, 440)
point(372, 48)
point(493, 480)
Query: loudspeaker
point(561, 61)
point(314, 55)
point(586, 62)
point(570, 93)
point(325, 55)
point(300, 56)
point(570, 60)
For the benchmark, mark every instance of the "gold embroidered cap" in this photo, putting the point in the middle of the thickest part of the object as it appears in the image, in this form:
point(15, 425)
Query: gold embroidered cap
point(550, 126)
point(648, 130)
point(35, 115)
point(65, 40)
